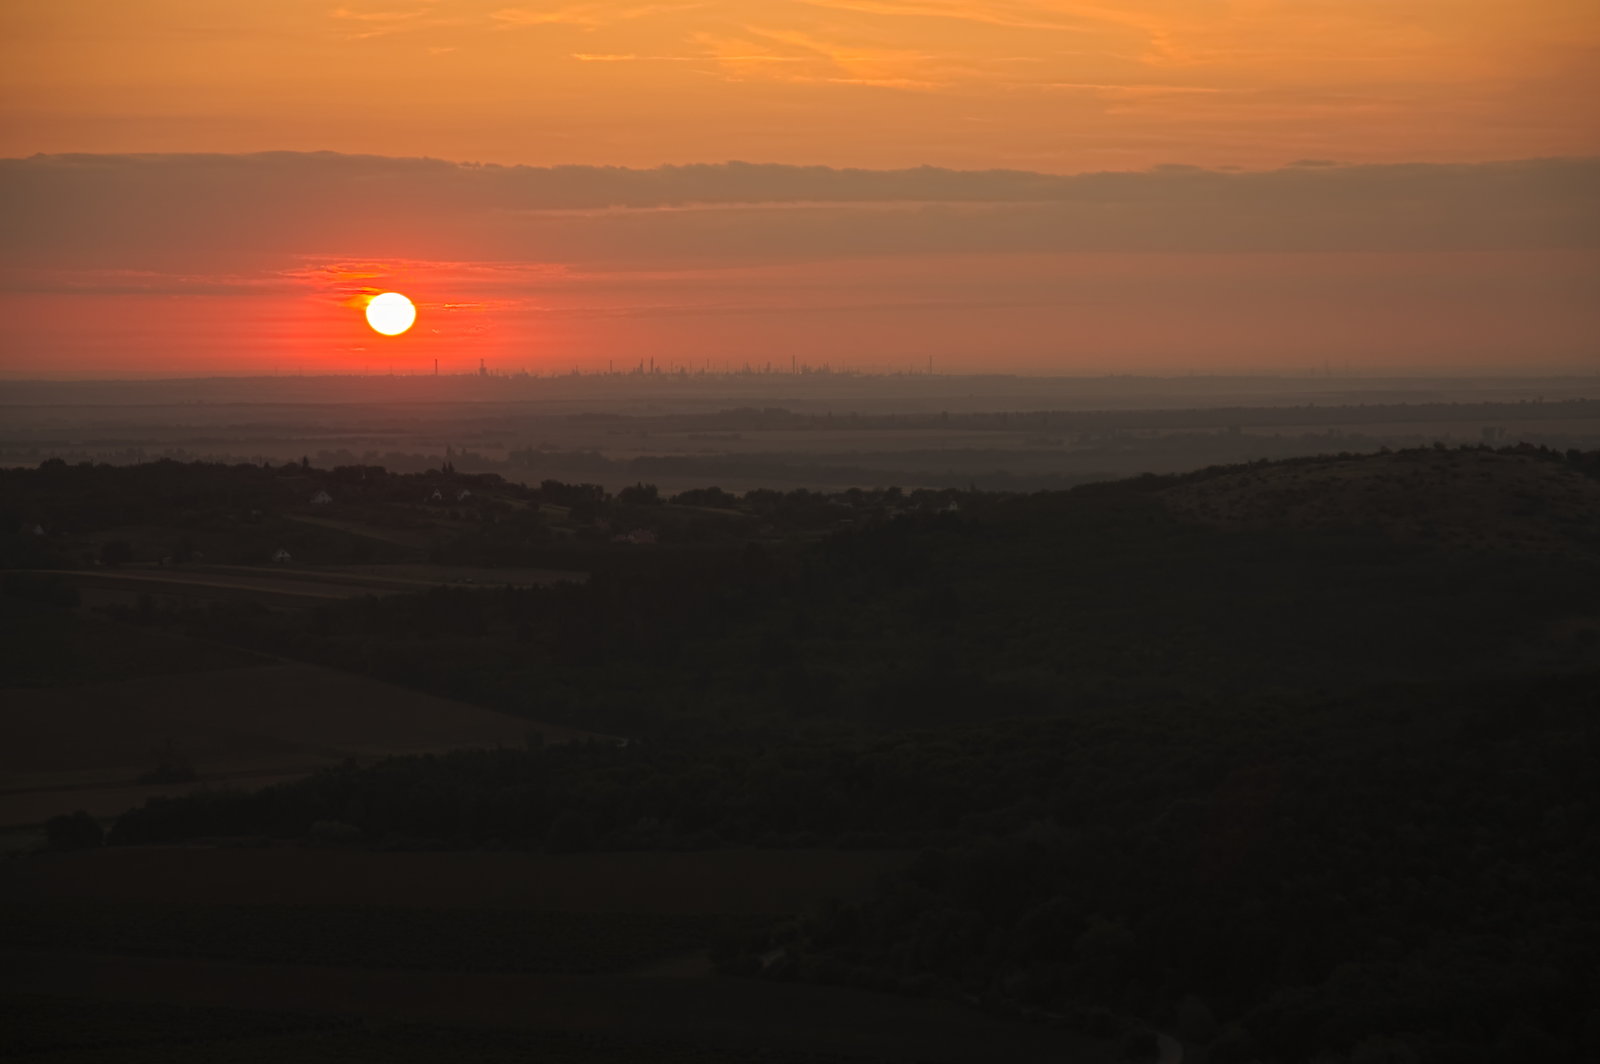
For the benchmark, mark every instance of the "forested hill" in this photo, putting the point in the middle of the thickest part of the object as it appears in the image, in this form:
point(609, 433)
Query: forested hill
point(1303, 780)
point(1510, 502)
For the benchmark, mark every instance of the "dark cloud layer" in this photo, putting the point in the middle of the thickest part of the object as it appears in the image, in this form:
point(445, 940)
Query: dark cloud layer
point(239, 213)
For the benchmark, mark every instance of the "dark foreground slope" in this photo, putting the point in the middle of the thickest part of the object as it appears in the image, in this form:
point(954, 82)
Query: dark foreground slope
point(1296, 780)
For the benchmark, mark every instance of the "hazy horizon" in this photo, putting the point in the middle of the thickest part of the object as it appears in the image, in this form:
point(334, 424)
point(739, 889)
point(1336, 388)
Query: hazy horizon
point(206, 265)
point(1318, 373)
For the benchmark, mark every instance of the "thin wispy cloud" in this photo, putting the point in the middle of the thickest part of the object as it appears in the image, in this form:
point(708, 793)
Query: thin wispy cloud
point(1014, 16)
point(805, 57)
point(1115, 91)
point(365, 25)
point(377, 16)
point(590, 16)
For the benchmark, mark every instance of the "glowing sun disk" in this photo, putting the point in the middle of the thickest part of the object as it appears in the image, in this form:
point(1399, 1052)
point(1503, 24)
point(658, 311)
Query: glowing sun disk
point(391, 313)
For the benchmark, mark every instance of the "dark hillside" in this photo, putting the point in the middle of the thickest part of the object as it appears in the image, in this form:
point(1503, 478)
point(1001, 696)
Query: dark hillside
point(1294, 759)
point(1462, 500)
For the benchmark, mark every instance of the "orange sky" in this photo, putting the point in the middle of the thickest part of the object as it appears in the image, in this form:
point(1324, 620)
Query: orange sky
point(147, 265)
point(1055, 85)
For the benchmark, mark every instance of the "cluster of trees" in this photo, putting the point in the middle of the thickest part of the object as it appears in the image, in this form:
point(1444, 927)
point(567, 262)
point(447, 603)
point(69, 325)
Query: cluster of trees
point(77, 516)
point(1280, 881)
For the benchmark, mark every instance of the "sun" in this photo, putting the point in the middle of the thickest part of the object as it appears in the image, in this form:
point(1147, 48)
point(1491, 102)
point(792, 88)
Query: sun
point(391, 313)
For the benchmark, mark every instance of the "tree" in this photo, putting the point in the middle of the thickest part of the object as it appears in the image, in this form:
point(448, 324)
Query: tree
point(1196, 1024)
point(50, 589)
point(74, 831)
point(640, 495)
point(570, 832)
point(1106, 949)
point(713, 497)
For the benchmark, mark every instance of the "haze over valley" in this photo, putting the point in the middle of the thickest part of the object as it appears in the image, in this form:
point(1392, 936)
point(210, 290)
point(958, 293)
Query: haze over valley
point(746, 431)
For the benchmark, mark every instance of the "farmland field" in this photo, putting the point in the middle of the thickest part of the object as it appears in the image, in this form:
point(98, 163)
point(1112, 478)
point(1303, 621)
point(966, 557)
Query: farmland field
point(293, 586)
point(481, 912)
point(487, 912)
point(46, 647)
point(712, 881)
point(466, 939)
point(65, 748)
point(85, 1032)
point(296, 1012)
point(167, 953)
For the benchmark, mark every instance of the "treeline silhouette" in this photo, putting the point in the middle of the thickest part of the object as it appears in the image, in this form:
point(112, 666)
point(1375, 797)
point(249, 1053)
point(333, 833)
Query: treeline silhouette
point(241, 513)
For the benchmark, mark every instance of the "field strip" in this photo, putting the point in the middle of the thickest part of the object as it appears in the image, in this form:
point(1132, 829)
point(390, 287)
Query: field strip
point(367, 578)
point(723, 882)
point(305, 583)
point(741, 1013)
point(180, 581)
point(355, 528)
point(289, 718)
point(208, 778)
